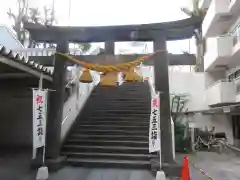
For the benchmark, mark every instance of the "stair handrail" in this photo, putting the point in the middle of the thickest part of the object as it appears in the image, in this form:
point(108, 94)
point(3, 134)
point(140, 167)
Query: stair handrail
point(151, 85)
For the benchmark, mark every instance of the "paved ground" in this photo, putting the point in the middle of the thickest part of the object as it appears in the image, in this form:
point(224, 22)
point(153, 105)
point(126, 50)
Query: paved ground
point(17, 168)
point(219, 167)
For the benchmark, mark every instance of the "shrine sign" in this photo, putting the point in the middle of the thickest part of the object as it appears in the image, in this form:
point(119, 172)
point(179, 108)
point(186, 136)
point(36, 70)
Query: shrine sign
point(154, 126)
point(39, 117)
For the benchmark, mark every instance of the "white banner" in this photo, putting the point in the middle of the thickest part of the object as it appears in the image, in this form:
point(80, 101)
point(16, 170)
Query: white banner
point(39, 117)
point(154, 126)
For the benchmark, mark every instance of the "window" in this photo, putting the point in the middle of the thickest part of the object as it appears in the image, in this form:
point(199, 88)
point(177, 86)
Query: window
point(237, 74)
point(231, 77)
point(236, 35)
point(235, 38)
point(234, 76)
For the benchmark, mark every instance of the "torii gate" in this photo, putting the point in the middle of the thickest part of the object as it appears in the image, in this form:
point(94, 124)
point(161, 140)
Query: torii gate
point(159, 33)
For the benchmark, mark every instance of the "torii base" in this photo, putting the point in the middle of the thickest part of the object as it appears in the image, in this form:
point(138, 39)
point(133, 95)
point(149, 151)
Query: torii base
point(170, 169)
point(52, 164)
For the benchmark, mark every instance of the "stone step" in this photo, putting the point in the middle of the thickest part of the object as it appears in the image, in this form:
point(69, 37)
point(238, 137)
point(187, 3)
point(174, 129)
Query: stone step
point(105, 149)
point(119, 122)
point(115, 156)
point(107, 142)
point(120, 115)
point(135, 102)
point(108, 163)
point(120, 106)
point(109, 131)
point(109, 137)
point(118, 118)
point(112, 130)
point(110, 126)
point(123, 111)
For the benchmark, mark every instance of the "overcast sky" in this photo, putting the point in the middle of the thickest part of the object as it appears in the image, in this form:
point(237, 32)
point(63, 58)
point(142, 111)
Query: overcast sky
point(111, 12)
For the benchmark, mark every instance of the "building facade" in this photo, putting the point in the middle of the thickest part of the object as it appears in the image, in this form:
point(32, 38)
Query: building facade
point(221, 31)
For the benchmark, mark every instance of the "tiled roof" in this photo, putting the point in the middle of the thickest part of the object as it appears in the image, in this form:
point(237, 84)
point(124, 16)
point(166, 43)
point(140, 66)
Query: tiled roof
point(21, 60)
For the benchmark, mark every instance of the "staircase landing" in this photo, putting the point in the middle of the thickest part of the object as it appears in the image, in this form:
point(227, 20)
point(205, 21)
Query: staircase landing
point(78, 173)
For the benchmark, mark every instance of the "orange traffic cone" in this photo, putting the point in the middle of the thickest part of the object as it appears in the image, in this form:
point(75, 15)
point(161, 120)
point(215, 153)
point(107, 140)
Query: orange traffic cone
point(185, 169)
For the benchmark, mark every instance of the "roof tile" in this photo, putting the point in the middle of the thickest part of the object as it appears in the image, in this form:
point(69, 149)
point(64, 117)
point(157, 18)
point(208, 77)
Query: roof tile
point(17, 58)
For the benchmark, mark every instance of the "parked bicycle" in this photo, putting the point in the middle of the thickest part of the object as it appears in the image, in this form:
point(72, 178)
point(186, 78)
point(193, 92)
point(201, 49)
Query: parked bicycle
point(208, 140)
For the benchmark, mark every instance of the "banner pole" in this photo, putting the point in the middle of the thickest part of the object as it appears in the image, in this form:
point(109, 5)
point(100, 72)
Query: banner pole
point(44, 146)
point(159, 123)
point(42, 173)
point(34, 153)
point(40, 84)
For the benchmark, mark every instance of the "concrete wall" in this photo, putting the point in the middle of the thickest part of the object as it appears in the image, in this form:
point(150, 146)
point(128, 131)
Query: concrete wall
point(8, 39)
point(221, 122)
point(16, 111)
point(16, 114)
point(15, 117)
point(192, 84)
point(214, 76)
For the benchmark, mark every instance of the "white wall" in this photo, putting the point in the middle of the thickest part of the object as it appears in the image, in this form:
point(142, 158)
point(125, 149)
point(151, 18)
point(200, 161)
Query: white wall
point(214, 76)
point(235, 24)
point(8, 39)
point(185, 82)
point(192, 84)
point(75, 103)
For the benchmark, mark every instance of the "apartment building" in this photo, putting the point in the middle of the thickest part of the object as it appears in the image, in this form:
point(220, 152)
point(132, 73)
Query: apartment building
point(221, 29)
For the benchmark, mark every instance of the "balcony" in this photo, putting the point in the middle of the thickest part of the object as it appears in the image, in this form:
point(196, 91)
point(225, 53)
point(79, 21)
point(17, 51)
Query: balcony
point(217, 19)
point(221, 93)
point(234, 7)
point(218, 52)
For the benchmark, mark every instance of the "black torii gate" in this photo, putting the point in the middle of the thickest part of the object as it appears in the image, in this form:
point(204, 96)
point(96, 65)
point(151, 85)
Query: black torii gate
point(159, 33)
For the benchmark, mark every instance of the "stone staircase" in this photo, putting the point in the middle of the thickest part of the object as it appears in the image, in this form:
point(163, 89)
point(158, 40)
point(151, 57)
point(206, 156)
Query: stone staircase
point(112, 131)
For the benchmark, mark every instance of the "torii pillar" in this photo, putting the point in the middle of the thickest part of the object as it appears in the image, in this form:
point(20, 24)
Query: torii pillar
point(169, 166)
point(162, 85)
point(56, 104)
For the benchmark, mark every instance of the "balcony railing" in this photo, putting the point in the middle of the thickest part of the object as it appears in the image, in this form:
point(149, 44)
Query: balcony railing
point(234, 6)
point(221, 92)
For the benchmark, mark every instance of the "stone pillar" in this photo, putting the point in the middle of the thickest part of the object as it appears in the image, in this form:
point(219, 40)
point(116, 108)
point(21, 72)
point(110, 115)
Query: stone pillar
point(109, 47)
point(162, 85)
point(56, 103)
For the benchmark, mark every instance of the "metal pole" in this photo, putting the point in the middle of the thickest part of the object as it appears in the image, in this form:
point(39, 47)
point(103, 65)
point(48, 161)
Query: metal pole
point(40, 84)
point(69, 11)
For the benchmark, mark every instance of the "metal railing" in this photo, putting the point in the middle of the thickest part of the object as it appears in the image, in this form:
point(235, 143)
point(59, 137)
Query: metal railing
point(235, 34)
